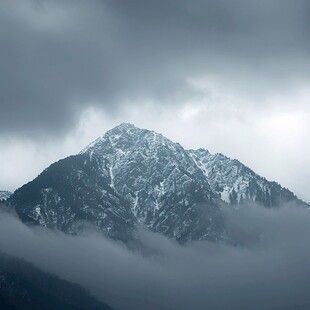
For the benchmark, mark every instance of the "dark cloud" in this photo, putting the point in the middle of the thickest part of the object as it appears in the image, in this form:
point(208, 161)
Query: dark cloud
point(269, 271)
point(58, 57)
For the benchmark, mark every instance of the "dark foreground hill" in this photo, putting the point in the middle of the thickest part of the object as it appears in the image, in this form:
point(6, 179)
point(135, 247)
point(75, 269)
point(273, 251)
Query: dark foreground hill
point(22, 286)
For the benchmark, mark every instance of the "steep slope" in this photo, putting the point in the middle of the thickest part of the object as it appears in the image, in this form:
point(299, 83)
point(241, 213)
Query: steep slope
point(4, 195)
point(70, 193)
point(132, 176)
point(167, 192)
point(129, 175)
point(236, 184)
point(22, 286)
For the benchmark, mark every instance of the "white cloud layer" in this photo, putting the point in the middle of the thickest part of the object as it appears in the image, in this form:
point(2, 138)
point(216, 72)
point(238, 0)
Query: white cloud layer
point(268, 271)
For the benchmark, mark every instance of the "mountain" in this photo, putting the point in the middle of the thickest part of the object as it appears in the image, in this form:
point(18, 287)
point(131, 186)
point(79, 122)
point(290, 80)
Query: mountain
point(133, 177)
point(71, 193)
point(235, 183)
point(161, 182)
point(127, 177)
point(22, 286)
point(4, 195)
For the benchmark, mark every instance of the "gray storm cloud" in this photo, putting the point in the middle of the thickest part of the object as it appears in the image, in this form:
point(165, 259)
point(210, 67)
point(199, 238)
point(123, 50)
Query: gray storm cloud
point(270, 270)
point(59, 57)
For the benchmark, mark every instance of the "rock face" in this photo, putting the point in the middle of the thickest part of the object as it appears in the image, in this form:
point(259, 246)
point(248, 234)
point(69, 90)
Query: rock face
point(166, 190)
point(4, 195)
point(132, 176)
point(70, 193)
point(235, 183)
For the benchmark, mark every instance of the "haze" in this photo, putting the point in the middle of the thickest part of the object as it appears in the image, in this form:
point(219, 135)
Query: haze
point(268, 270)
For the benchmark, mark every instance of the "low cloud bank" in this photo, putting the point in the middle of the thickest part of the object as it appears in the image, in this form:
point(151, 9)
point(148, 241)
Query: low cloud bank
point(269, 270)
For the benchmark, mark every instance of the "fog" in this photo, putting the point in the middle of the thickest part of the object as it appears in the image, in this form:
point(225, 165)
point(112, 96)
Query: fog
point(269, 269)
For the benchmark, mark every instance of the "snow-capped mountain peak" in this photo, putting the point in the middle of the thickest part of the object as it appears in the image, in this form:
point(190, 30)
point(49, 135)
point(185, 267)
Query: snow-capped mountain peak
point(132, 175)
point(147, 168)
point(126, 136)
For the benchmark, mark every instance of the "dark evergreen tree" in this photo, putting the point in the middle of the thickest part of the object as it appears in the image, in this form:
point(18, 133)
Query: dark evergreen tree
point(233, 197)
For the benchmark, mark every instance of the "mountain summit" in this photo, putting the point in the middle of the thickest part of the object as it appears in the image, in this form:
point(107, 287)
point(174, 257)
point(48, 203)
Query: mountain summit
point(158, 178)
point(133, 177)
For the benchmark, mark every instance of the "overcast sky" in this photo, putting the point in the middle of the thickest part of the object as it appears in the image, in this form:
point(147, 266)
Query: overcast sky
point(231, 76)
